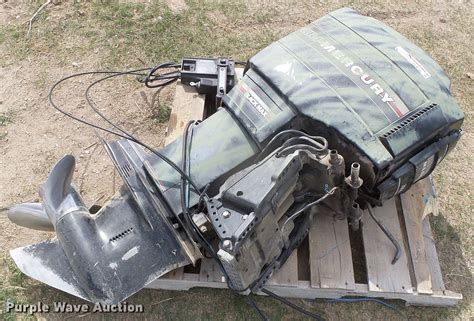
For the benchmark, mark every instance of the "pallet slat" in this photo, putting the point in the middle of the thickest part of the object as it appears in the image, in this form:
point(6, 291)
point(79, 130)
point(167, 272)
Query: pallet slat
point(382, 275)
point(413, 210)
point(210, 271)
point(432, 257)
point(305, 291)
point(187, 105)
point(330, 253)
point(175, 274)
point(288, 274)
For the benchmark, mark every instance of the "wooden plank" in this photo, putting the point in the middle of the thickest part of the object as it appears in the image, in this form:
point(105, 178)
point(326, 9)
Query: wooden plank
point(288, 273)
point(210, 271)
point(413, 211)
point(304, 290)
point(187, 105)
point(175, 274)
point(432, 257)
point(330, 253)
point(382, 275)
point(191, 277)
point(427, 202)
point(239, 73)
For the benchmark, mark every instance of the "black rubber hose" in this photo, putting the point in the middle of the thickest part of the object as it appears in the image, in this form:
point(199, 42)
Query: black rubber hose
point(292, 305)
point(398, 250)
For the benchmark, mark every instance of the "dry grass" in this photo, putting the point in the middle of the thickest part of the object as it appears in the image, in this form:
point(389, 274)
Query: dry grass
point(124, 35)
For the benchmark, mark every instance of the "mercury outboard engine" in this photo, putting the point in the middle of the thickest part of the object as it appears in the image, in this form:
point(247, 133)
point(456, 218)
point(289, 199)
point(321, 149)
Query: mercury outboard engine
point(337, 116)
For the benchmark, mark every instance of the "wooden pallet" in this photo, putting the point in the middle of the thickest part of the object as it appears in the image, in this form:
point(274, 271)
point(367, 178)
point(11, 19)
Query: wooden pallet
point(334, 262)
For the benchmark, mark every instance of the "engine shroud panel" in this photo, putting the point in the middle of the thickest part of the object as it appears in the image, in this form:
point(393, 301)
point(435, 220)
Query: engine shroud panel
point(378, 98)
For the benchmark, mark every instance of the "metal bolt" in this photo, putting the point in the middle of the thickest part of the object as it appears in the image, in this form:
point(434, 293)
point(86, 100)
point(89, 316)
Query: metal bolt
point(203, 229)
point(227, 244)
point(226, 214)
point(244, 217)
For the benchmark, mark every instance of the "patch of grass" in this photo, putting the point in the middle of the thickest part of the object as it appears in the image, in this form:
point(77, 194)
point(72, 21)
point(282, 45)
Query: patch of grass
point(4, 119)
point(41, 80)
point(16, 277)
point(152, 34)
point(12, 38)
point(12, 289)
point(2, 36)
point(444, 231)
point(133, 34)
point(162, 113)
point(14, 35)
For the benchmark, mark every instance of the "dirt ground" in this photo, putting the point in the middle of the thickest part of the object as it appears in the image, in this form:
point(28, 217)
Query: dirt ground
point(72, 37)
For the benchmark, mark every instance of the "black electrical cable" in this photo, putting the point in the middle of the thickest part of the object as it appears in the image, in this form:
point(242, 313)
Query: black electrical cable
point(385, 304)
point(96, 110)
point(389, 235)
point(132, 72)
point(292, 305)
point(186, 157)
point(91, 103)
point(201, 197)
point(254, 305)
point(172, 76)
point(124, 134)
point(183, 186)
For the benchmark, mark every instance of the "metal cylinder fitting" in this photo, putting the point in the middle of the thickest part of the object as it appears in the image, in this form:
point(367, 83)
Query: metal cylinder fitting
point(355, 171)
point(355, 215)
point(333, 156)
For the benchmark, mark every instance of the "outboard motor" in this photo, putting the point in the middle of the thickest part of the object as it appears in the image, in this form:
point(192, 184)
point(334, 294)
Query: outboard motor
point(337, 116)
